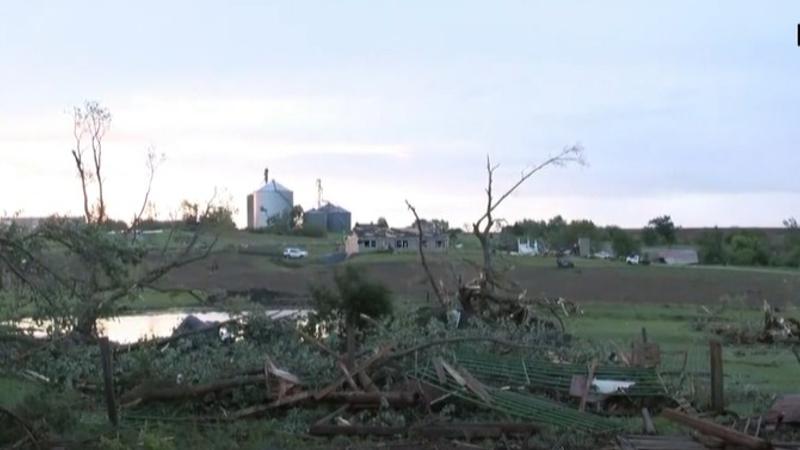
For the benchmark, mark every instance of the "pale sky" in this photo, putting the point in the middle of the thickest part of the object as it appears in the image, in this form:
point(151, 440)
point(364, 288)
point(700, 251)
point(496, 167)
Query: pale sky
point(684, 108)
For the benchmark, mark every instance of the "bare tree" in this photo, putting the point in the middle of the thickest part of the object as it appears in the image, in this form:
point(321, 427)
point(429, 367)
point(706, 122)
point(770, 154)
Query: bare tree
point(92, 122)
point(482, 228)
point(71, 273)
point(437, 288)
point(152, 162)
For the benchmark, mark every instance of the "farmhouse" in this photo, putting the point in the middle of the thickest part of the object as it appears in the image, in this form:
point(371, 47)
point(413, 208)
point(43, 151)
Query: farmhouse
point(372, 238)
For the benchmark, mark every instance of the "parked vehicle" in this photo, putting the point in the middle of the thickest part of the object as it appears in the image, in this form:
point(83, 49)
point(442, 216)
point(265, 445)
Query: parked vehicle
point(564, 263)
point(603, 255)
point(632, 259)
point(294, 253)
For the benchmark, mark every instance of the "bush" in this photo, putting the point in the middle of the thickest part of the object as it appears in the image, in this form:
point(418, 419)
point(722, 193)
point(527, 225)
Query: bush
point(622, 242)
point(747, 248)
point(310, 231)
point(711, 247)
point(354, 296)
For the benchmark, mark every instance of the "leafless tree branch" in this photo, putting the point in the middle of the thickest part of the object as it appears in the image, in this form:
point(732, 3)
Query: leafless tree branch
point(436, 289)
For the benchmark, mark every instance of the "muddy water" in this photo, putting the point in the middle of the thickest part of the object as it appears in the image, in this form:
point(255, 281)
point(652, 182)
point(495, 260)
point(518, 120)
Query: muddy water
point(131, 328)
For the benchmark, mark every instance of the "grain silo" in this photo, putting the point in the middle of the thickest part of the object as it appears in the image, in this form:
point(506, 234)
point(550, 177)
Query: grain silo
point(338, 219)
point(272, 200)
point(316, 219)
point(328, 217)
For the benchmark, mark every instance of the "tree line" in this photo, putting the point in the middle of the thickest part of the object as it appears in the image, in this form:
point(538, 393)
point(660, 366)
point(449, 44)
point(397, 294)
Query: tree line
point(743, 247)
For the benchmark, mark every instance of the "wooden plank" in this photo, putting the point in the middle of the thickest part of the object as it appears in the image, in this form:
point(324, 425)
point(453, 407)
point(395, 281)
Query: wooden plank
point(712, 429)
point(437, 366)
point(464, 431)
point(454, 373)
point(649, 427)
point(476, 386)
point(717, 391)
point(108, 379)
point(322, 393)
point(589, 379)
point(367, 382)
point(348, 377)
point(645, 442)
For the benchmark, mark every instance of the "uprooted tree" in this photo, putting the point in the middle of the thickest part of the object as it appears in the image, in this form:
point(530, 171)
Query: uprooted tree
point(491, 293)
point(66, 273)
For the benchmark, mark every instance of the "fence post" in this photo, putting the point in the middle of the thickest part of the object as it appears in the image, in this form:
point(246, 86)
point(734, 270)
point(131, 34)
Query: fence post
point(717, 391)
point(108, 379)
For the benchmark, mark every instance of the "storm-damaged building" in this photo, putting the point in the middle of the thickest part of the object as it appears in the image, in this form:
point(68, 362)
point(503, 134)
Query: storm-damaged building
point(372, 238)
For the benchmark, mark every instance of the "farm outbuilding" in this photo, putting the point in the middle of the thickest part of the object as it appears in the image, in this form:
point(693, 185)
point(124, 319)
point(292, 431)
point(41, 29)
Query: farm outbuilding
point(329, 217)
point(272, 200)
point(672, 255)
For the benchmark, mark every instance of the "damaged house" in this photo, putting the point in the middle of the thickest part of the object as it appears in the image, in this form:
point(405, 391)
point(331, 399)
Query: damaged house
point(372, 238)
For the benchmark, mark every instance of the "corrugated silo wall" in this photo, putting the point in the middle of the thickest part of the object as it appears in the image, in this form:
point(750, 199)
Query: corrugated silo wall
point(250, 215)
point(339, 222)
point(315, 219)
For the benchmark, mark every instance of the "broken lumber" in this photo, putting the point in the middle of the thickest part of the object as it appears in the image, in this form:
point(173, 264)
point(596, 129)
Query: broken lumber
point(450, 431)
point(154, 391)
point(713, 429)
point(647, 421)
point(717, 390)
point(322, 393)
point(588, 387)
point(354, 399)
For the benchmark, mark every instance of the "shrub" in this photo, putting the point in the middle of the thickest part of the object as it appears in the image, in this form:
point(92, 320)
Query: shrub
point(747, 248)
point(354, 296)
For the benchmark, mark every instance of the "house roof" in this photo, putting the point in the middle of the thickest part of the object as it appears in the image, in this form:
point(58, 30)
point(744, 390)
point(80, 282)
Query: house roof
point(372, 230)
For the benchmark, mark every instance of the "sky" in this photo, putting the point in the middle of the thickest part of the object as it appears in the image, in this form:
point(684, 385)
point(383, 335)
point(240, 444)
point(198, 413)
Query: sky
point(685, 108)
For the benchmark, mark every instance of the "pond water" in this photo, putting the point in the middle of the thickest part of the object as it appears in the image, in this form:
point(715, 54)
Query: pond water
point(131, 328)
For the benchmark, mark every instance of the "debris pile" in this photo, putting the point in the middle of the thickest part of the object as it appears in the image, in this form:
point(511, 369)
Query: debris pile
point(433, 385)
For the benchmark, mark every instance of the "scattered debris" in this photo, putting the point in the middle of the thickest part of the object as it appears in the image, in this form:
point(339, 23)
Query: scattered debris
point(785, 410)
point(658, 443)
point(713, 429)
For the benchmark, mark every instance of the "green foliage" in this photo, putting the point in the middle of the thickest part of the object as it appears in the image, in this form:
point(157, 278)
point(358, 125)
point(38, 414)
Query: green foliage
point(649, 236)
point(354, 296)
point(557, 232)
point(622, 242)
point(711, 247)
point(50, 411)
point(310, 231)
point(664, 229)
point(747, 248)
point(67, 273)
point(214, 216)
point(791, 252)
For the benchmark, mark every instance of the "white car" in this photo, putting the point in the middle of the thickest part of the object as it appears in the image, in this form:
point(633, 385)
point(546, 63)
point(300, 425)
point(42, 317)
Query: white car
point(294, 253)
point(632, 259)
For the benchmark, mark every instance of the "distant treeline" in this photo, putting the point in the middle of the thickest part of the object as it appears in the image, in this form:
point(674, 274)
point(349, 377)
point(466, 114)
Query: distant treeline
point(731, 246)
